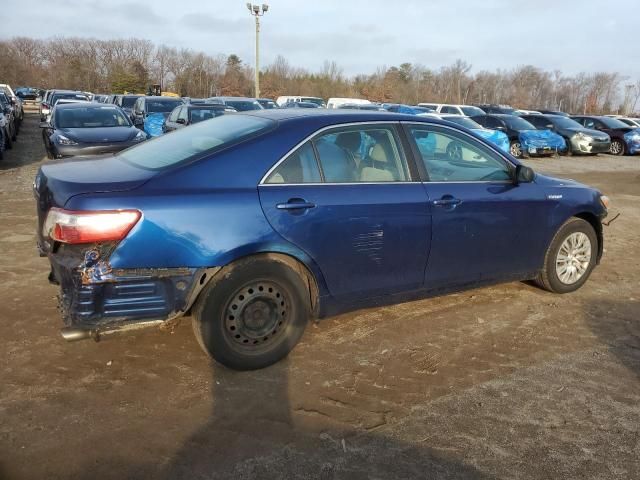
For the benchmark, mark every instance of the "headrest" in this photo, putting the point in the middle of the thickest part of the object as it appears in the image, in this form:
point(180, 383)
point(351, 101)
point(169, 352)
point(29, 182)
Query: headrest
point(378, 154)
point(349, 140)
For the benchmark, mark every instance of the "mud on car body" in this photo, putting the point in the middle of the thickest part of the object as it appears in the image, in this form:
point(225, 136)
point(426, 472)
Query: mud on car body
point(254, 223)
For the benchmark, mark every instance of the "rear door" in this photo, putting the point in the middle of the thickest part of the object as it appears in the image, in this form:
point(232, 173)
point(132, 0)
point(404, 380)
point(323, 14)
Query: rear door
point(351, 201)
point(483, 225)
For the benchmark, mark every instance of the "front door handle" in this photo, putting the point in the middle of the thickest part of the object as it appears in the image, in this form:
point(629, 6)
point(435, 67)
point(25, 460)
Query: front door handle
point(447, 201)
point(295, 204)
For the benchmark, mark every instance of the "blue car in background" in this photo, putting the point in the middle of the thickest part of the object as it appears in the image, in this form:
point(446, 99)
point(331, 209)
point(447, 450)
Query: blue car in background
point(524, 139)
point(498, 138)
point(254, 223)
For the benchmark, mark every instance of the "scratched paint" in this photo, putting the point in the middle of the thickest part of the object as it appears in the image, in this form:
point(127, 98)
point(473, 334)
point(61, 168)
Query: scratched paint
point(370, 244)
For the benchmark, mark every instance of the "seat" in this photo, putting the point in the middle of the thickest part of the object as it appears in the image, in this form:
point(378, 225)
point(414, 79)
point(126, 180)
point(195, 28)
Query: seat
point(338, 166)
point(378, 171)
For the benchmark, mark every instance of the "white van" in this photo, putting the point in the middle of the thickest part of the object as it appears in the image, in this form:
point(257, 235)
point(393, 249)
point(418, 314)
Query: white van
point(281, 101)
point(451, 109)
point(337, 102)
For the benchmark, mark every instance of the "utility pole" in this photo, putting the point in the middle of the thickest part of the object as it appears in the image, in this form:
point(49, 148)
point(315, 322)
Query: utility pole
point(257, 11)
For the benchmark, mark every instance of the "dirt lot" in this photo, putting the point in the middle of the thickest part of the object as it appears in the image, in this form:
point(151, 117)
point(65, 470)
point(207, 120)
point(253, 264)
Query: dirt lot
point(504, 382)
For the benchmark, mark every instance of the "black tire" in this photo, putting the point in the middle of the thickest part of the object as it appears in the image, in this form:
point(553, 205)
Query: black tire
point(548, 278)
point(252, 314)
point(14, 137)
point(515, 149)
point(569, 151)
point(617, 147)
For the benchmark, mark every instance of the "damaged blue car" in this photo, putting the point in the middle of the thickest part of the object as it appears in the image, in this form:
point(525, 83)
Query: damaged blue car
point(254, 223)
point(524, 139)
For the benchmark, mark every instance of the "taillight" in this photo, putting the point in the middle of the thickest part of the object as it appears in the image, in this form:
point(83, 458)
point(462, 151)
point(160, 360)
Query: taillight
point(69, 226)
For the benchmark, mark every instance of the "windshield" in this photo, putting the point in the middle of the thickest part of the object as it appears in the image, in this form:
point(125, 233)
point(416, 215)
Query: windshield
point(90, 117)
point(517, 123)
point(72, 96)
point(127, 102)
point(564, 122)
point(465, 122)
point(244, 105)
point(200, 114)
point(161, 106)
point(186, 143)
point(472, 111)
point(613, 123)
point(316, 100)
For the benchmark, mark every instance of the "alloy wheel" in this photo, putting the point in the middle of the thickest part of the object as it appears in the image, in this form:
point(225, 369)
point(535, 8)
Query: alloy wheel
point(516, 149)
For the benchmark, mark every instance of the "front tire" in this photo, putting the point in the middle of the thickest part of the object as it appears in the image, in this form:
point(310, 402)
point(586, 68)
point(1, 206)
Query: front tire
point(617, 148)
point(570, 258)
point(252, 314)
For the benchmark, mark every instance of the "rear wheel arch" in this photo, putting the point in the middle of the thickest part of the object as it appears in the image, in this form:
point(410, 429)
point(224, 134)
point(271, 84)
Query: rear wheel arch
point(299, 267)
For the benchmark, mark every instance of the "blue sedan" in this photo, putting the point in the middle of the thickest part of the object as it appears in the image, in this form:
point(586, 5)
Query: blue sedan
point(257, 222)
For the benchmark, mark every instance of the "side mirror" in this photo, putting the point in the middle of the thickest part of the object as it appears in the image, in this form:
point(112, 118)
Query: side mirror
point(523, 174)
point(181, 120)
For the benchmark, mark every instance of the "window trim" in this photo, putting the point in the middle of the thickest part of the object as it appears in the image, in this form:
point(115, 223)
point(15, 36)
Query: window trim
point(395, 126)
point(422, 168)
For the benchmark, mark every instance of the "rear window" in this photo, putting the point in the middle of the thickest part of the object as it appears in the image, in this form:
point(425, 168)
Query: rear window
point(187, 143)
point(200, 114)
point(244, 105)
point(127, 102)
point(161, 106)
point(68, 96)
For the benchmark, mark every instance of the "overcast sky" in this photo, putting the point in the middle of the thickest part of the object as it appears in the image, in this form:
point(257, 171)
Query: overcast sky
point(570, 35)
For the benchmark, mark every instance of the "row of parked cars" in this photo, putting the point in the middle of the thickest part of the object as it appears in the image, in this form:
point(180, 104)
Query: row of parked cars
point(522, 133)
point(11, 116)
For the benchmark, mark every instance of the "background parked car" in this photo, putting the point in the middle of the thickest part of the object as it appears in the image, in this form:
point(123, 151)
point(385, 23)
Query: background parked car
point(497, 137)
point(336, 102)
point(280, 101)
point(5, 135)
point(13, 126)
point(55, 96)
point(98, 98)
point(27, 93)
point(300, 105)
point(126, 102)
point(376, 107)
point(191, 113)
point(578, 138)
point(88, 128)
point(445, 108)
point(496, 109)
point(524, 138)
point(15, 102)
point(632, 122)
point(624, 139)
point(267, 103)
point(241, 104)
point(553, 112)
point(149, 113)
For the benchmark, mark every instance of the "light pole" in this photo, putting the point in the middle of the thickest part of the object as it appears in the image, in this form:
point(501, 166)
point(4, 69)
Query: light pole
point(257, 11)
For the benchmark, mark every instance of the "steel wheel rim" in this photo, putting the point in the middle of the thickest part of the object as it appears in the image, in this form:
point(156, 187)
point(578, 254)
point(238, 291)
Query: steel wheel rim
point(574, 258)
point(516, 149)
point(616, 148)
point(257, 315)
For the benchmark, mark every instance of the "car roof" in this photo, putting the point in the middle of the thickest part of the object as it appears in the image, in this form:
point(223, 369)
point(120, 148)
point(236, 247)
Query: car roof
point(82, 104)
point(327, 117)
point(249, 99)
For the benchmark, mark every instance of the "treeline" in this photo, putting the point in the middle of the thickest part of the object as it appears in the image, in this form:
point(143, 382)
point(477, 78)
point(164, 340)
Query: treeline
point(131, 65)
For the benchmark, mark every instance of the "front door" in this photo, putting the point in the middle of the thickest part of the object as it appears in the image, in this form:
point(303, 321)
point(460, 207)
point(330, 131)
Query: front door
point(349, 200)
point(484, 226)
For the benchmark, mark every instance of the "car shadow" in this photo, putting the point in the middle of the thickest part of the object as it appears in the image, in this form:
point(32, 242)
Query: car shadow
point(617, 325)
point(252, 432)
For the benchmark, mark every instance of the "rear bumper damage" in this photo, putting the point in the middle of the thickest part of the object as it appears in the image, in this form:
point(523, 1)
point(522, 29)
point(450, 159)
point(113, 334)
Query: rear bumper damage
point(96, 300)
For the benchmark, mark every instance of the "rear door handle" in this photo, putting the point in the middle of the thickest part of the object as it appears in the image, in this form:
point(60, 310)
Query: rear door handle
point(295, 204)
point(447, 201)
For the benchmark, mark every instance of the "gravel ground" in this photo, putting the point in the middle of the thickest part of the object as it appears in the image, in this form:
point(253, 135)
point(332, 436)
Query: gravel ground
point(505, 382)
